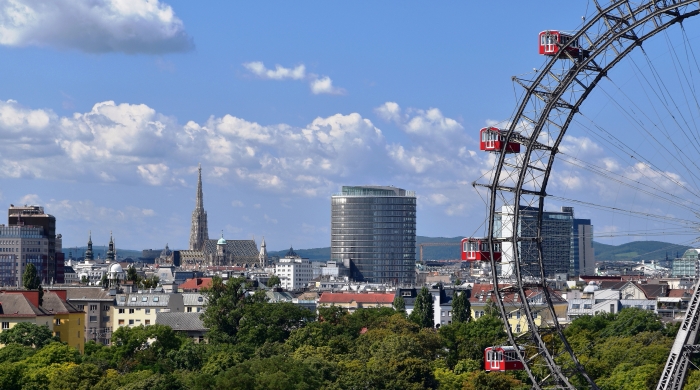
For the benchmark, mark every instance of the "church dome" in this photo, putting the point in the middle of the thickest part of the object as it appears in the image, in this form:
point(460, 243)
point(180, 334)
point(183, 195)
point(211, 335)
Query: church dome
point(592, 287)
point(116, 268)
point(221, 241)
point(291, 253)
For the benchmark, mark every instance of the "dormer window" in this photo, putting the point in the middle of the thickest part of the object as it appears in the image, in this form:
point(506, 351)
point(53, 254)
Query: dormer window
point(155, 299)
point(133, 299)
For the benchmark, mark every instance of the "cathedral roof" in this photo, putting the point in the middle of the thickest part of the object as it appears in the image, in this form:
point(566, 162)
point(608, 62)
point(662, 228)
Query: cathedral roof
point(238, 248)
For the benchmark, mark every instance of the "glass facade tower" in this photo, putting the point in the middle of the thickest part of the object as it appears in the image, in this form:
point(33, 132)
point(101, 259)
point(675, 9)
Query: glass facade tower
point(373, 232)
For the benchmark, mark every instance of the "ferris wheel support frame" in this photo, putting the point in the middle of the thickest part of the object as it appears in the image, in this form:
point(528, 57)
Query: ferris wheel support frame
point(608, 37)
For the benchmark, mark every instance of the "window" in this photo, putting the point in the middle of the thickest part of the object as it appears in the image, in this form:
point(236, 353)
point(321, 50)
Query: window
point(6, 325)
point(587, 306)
point(121, 322)
point(155, 299)
point(131, 311)
point(93, 307)
point(133, 299)
point(517, 328)
point(148, 311)
point(93, 318)
point(58, 321)
point(189, 309)
point(58, 334)
point(105, 307)
point(200, 299)
point(148, 322)
point(78, 334)
point(575, 306)
point(78, 321)
point(121, 311)
point(131, 322)
point(442, 313)
point(517, 315)
point(105, 319)
point(81, 307)
point(199, 309)
point(122, 299)
point(144, 299)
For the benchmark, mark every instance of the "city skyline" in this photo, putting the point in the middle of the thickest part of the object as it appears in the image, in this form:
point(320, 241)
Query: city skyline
point(106, 134)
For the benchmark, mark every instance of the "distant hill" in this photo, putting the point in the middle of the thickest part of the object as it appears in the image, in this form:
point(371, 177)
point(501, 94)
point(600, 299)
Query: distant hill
point(637, 250)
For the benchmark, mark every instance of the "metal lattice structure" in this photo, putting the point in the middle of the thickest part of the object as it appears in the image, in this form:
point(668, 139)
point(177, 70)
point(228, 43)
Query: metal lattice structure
point(518, 187)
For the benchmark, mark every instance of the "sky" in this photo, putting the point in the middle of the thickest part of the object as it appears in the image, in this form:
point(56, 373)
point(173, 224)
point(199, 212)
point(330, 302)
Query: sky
point(107, 107)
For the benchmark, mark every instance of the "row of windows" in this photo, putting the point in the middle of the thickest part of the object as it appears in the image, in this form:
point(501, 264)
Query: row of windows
point(132, 322)
point(132, 311)
point(350, 240)
point(135, 299)
point(375, 211)
point(373, 200)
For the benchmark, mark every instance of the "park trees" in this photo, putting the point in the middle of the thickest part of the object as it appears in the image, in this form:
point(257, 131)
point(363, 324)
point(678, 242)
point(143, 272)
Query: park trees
point(423, 313)
point(461, 308)
point(28, 334)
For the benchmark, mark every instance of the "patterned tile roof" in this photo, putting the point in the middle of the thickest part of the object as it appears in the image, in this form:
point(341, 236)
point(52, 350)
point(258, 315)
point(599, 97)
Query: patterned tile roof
point(379, 298)
point(181, 321)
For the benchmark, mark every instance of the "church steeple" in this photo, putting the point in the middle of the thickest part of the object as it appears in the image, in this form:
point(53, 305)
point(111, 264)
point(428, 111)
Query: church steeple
point(111, 254)
point(262, 257)
point(88, 251)
point(199, 231)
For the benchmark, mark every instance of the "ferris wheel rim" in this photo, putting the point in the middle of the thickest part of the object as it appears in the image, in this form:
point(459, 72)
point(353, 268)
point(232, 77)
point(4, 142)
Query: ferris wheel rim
point(626, 24)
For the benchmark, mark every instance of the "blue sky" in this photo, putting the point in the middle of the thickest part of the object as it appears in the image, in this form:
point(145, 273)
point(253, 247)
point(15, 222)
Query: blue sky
point(107, 110)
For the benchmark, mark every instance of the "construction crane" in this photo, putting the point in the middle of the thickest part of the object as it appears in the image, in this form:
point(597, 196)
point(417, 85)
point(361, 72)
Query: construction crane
point(421, 245)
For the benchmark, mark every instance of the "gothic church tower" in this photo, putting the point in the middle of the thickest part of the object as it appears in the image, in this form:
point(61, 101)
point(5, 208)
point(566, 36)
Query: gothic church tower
point(199, 231)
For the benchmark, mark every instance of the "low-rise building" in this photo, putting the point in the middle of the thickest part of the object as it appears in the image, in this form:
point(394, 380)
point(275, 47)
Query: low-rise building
point(194, 302)
point(136, 309)
point(97, 305)
point(195, 284)
point(189, 324)
point(69, 321)
point(354, 301)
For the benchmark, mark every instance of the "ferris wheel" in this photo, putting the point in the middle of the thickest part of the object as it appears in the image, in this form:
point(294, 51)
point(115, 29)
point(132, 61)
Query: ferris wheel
point(650, 186)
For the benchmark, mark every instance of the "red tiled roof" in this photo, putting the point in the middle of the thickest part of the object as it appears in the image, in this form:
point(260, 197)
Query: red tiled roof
point(329, 297)
point(678, 293)
point(196, 283)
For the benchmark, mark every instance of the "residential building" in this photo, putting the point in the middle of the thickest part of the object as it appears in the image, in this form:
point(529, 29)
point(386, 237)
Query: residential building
point(294, 271)
point(354, 301)
point(195, 284)
point(194, 302)
point(136, 309)
point(373, 233)
point(69, 321)
point(22, 306)
point(442, 302)
point(97, 305)
point(189, 324)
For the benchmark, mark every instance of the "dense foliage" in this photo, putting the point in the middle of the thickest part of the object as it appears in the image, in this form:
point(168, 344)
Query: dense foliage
point(259, 345)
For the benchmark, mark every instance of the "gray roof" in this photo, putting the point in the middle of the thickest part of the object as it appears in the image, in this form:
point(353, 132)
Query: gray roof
point(16, 305)
point(87, 294)
point(243, 249)
point(144, 299)
point(192, 299)
point(181, 321)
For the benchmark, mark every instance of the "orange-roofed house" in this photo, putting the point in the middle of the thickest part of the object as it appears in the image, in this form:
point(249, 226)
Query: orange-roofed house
point(195, 284)
point(354, 301)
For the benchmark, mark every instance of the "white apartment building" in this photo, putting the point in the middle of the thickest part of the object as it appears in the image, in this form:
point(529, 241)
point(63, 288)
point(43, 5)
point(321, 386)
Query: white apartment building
point(294, 272)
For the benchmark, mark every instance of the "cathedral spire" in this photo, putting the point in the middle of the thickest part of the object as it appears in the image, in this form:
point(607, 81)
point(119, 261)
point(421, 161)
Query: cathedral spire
point(199, 231)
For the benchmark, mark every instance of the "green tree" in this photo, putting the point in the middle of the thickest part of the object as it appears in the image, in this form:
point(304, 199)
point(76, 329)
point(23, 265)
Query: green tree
point(461, 308)
point(104, 282)
point(84, 279)
point(273, 281)
point(150, 282)
point(400, 304)
point(30, 279)
point(225, 308)
point(28, 334)
point(132, 275)
point(423, 313)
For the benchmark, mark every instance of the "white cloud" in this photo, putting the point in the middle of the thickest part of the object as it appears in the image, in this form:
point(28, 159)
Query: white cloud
point(237, 203)
point(279, 73)
point(389, 111)
point(317, 84)
point(95, 26)
point(325, 85)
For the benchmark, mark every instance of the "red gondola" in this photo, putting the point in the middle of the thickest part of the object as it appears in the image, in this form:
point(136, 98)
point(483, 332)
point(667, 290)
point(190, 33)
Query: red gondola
point(492, 140)
point(551, 40)
point(477, 249)
point(503, 358)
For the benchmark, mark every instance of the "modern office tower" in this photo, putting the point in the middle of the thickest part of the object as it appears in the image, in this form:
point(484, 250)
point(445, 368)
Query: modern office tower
point(582, 255)
point(557, 233)
point(35, 216)
point(19, 246)
point(373, 233)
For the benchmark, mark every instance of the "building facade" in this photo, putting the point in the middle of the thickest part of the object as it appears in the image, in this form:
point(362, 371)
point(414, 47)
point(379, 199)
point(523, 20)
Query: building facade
point(688, 265)
point(36, 217)
point(20, 245)
point(557, 237)
point(294, 271)
point(141, 308)
point(373, 233)
point(582, 255)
